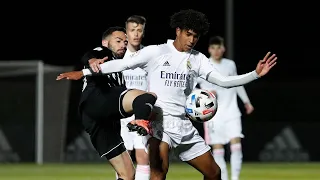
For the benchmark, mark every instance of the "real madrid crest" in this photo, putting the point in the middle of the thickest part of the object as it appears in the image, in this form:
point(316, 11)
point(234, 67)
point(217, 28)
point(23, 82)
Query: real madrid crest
point(189, 65)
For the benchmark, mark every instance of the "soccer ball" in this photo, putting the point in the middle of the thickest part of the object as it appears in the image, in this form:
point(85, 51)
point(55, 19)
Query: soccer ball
point(201, 105)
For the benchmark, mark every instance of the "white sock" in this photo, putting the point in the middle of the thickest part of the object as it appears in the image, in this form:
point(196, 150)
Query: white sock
point(218, 155)
point(117, 176)
point(236, 160)
point(142, 172)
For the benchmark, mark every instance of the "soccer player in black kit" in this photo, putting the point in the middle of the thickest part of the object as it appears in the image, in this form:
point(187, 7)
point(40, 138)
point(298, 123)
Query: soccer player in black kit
point(105, 100)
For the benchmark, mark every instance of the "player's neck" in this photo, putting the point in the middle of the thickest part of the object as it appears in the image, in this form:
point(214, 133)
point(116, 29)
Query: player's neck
point(217, 60)
point(132, 48)
point(177, 46)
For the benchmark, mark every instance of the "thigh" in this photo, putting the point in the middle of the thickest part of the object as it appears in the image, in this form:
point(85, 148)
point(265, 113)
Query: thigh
point(192, 148)
point(234, 128)
point(123, 166)
point(105, 104)
point(106, 139)
point(206, 165)
point(128, 99)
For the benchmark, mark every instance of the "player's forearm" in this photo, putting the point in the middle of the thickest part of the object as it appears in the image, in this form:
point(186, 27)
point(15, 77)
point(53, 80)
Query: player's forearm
point(243, 94)
point(109, 67)
point(231, 81)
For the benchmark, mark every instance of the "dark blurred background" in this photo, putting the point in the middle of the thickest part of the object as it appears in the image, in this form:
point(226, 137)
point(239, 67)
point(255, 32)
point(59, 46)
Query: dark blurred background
point(285, 100)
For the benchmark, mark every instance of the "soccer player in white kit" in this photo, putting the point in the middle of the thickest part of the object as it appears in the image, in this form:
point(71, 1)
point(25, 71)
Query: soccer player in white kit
point(135, 79)
point(225, 127)
point(173, 69)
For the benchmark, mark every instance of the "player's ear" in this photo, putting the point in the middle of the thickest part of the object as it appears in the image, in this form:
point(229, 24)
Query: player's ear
point(178, 31)
point(105, 43)
point(143, 31)
point(223, 48)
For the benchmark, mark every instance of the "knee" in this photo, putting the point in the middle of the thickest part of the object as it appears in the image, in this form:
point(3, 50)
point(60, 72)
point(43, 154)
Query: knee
point(148, 97)
point(236, 149)
point(214, 175)
point(153, 94)
point(142, 157)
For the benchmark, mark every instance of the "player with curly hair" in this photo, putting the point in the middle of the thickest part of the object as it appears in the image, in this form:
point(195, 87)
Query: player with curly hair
point(173, 69)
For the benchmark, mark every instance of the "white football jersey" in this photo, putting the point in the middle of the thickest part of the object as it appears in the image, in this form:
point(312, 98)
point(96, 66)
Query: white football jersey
point(227, 97)
point(135, 78)
point(173, 75)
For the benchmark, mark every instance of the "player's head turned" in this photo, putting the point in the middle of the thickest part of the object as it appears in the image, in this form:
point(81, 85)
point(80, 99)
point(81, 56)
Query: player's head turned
point(189, 25)
point(135, 29)
point(115, 39)
point(216, 47)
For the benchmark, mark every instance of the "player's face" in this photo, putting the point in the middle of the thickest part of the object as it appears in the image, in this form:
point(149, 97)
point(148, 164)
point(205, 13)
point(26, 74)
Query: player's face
point(187, 39)
point(216, 51)
point(118, 43)
point(135, 33)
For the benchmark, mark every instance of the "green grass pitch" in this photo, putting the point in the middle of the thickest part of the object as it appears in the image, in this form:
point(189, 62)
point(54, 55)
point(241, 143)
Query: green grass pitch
point(177, 171)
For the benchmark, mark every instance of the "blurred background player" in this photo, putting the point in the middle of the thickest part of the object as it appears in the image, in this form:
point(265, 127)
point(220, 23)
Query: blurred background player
point(135, 79)
point(225, 127)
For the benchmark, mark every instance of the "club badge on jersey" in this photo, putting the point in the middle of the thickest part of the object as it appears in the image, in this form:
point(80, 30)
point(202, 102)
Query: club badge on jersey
point(189, 67)
point(190, 79)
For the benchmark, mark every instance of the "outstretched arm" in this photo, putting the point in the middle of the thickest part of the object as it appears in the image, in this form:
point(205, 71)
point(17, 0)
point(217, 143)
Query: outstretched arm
point(231, 81)
point(139, 59)
point(263, 67)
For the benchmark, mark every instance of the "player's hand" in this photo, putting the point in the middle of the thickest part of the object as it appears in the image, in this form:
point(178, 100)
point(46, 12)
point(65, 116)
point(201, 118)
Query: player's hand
point(95, 63)
point(266, 64)
point(73, 75)
point(249, 108)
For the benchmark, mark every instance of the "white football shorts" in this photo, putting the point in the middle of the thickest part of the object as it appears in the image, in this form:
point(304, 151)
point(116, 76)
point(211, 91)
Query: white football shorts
point(221, 131)
point(181, 136)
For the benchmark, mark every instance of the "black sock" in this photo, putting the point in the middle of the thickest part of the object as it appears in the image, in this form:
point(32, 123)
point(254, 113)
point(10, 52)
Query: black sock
point(142, 106)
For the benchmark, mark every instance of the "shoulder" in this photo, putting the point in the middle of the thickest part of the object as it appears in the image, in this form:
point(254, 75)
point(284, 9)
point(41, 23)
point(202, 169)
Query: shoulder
point(200, 57)
point(229, 62)
point(198, 54)
point(99, 52)
point(98, 49)
point(101, 49)
point(154, 50)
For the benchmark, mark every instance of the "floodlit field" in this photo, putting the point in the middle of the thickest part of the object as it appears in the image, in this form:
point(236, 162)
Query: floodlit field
point(177, 172)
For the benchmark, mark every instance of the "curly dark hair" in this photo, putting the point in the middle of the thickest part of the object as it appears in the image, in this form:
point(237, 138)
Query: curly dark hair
point(190, 20)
